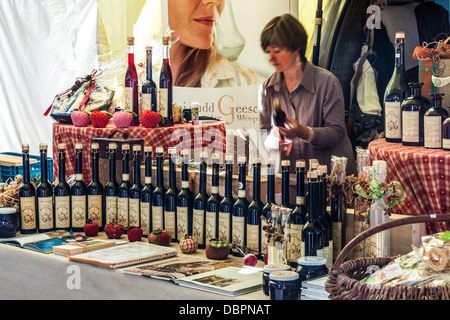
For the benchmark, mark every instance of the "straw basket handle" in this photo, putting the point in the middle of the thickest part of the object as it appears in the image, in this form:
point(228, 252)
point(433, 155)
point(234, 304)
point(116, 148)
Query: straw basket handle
point(381, 227)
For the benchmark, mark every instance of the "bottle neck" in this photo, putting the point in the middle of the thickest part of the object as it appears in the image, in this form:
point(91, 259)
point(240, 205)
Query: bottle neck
point(202, 186)
point(148, 165)
point(416, 91)
point(400, 56)
point(256, 182)
point(112, 166)
point(62, 165)
point(78, 164)
point(215, 175)
point(131, 55)
point(159, 172)
point(436, 104)
point(312, 202)
point(166, 54)
point(172, 174)
point(95, 165)
point(301, 183)
point(228, 179)
point(285, 186)
point(271, 186)
point(26, 167)
point(149, 65)
point(125, 164)
point(137, 169)
point(242, 180)
point(43, 166)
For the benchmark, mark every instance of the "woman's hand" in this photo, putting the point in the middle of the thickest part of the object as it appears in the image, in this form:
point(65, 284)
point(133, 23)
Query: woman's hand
point(293, 129)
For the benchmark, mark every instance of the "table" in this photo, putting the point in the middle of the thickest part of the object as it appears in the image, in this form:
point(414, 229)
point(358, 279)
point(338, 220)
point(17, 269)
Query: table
point(423, 173)
point(204, 135)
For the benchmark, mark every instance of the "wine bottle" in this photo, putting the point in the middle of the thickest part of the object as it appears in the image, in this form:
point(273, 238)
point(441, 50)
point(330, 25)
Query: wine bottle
point(285, 201)
point(433, 122)
point(270, 201)
point(327, 217)
point(135, 189)
point(62, 193)
point(166, 86)
point(279, 115)
point(95, 191)
point(123, 205)
point(27, 196)
point(78, 193)
point(254, 210)
point(226, 205)
point(158, 193)
point(185, 200)
point(321, 214)
point(146, 194)
point(446, 134)
point(199, 212)
point(396, 91)
point(413, 112)
point(131, 84)
point(212, 205)
point(338, 204)
point(239, 215)
point(311, 233)
point(149, 88)
point(297, 218)
point(44, 193)
point(170, 198)
point(111, 187)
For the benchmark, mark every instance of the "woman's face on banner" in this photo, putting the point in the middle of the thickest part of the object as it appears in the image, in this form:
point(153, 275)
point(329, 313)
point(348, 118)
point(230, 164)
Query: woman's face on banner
point(194, 20)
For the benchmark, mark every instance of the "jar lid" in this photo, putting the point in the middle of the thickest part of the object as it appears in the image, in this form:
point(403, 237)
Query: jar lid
point(7, 210)
point(283, 275)
point(269, 268)
point(311, 261)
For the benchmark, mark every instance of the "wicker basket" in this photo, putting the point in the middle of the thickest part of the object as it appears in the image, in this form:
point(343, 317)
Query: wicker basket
point(344, 278)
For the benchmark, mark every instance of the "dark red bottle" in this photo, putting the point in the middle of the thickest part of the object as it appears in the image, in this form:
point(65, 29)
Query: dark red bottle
point(131, 84)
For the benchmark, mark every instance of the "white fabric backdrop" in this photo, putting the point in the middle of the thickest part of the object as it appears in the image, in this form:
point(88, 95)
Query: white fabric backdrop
point(45, 45)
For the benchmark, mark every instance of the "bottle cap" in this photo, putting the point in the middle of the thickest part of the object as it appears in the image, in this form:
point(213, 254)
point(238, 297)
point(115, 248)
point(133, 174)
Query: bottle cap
point(148, 48)
point(242, 160)
point(216, 157)
point(112, 145)
point(229, 158)
point(300, 163)
point(400, 35)
point(313, 163)
point(285, 163)
point(25, 147)
point(130, 40)
point(125, 147)
point(43, 146)
point(61, 146)
point(256, 161)
point(269, 268)
point(284, 276)
point(159, 150)
point(172, 151)
point(165, 40)
point(312, 174)
point(79, 146)
point(324, 168)
point(148, 149)
point(137, 147)
point(95, 146)
point(311, 261)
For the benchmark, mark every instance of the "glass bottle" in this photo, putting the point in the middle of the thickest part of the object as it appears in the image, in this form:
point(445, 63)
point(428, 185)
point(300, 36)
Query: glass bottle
point(135, 189)
point(199, 212)
point(327, 217)
point(254, 228)
point(44, 196)
point(149, 88)
point(226, 205)
point(123, 205)
point(159, 192)
point(27, 196)
point(240, 207)
point(270, 201)
point(166, 86)
point(321, 219)
point(413, 111)
point(446, 134)
point(311, 233)
point(95, 190)
point(62, 193)
point(433, 122)
point(396, 91)
point(185, 199)
point(146, 194)
point(338, 204)
point(111, 187)
point(78, 193)
point(131, 84)
point(170, 198)
point(212, 205)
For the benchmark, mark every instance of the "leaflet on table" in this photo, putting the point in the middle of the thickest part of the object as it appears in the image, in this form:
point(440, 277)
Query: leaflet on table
point(42, 242)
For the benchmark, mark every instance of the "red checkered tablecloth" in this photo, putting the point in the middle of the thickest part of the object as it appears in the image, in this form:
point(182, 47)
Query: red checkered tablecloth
point(424, 174)
point(205, 135)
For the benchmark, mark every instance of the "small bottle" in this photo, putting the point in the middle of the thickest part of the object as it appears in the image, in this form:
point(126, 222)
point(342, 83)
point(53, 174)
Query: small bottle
point(212, 205)
point(284, 285)
point(27, 197)
point(226, 205)
point(95, 190)
point(146, 194)
point(170, 198)
point(326, 216)
point(413, 111)
point(312, 234)
point(62, 193)
point(185, 200)
point(270, 201)
point(158, 193)
point(149, 88)
point(123, 205)
point(135, 189)
point(78, 193)
point(199, 212)
point(111, 187)
point(131, 84)
point(446, 134)
point(254, 229)
point(267, 270)
point(396, 91)
point(166, 85)
point(44, 192)
point(240, 207)
point(433, 122)
point(321, 219)
point(338, 204)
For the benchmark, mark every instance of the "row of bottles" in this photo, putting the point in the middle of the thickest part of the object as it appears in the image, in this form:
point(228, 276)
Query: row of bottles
point(410, 118)
point(154, 99)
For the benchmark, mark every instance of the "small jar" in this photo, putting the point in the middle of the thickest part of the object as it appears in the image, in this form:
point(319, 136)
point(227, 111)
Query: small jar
point(311, 267)
point(267, 270)
point(284, 285)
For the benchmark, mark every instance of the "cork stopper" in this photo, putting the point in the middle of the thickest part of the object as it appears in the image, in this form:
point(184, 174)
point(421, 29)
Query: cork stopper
point(148, 48)
point(400, 35)
point(95, 146)
point(165, 40)
point(79, 146)
point(285, 163)
point(112, 146)
point(148, 149)
point(130, 41)
point(242, 160)
point(159, 150)
point(300, 164)
point(61, 146)
point(137, 148)
point(25, 147)
point(43, 146)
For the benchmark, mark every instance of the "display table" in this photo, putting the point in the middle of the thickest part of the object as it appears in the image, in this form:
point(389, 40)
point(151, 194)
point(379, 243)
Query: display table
point(423, 173)
point(211, 135)
point(32, 275)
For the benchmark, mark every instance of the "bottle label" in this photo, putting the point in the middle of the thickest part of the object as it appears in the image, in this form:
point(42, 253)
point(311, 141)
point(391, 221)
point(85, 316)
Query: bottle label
point(129, 98)
point(148, 180)
point(224, 227)
point(393, 120)
point(163, 101)
point(134, 212)
point(79, 177)
point(337, 239)
point(215, 190)
point(237, 230)
point(300, 201)
point(122, 211)
point(210, 227)
point(410, 128)
point(296, 241)
point(182, 222)
point(146, 102)
point(169, 223)
point(157, 218)
point(145, 218)
point(432, 132)
point(446, 144)
point(28, 212)
point(253, 237)
point(242, 194)
point(95, 208)
point(185, 184)
point(111, 210)
point(197, 225)
point(78, 211)
point(125, 177)
point(62, 212)
point(264, 242)
point(45, 212)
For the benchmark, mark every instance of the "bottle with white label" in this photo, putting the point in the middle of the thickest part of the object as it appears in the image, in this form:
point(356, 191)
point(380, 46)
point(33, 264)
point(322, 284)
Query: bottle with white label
point(78, 193)
point(124, 189)
point(158, 193)
point(62, 193)
point(321, 214)
point(199, 212)
point(184, 200)
point(226, 205)
point(326, 216)
point(413, 111)
point(166, 86)
point(44, 191)
point(446, 134)
point(170, 198)
point(212, 205)
point(146, 194)
point(433, 122)
point(95, 191)
point(270, 201)
point(239, 215)
point(131, 84)
point(338, 204)
point(254, 230)
point(27, 197)
point(135, 190)
point(111, 187)
point(396, 91)
point(149, 88)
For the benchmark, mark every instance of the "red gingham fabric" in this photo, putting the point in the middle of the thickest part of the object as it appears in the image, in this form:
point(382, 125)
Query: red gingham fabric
point(423, 173)
point(205, 135)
